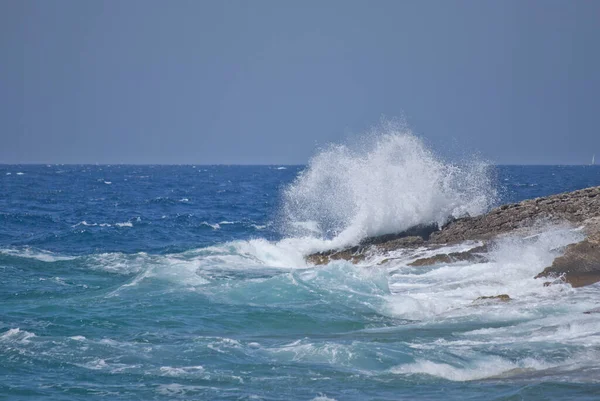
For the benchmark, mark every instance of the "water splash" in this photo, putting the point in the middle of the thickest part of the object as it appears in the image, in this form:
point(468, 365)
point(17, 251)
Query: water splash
point(386, 183)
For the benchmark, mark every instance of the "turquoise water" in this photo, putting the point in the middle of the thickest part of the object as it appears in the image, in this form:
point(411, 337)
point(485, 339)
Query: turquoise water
point(188, 282)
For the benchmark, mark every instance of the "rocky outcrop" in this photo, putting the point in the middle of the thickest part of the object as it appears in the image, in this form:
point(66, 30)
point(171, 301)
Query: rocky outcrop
point(476, 254)
point(499, 298)
point(574, 207)
point(358, 253)
point(579, 266)
point(413, 237)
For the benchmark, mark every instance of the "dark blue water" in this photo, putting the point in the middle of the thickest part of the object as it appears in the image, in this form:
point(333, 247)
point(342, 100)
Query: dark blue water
point(179, 282)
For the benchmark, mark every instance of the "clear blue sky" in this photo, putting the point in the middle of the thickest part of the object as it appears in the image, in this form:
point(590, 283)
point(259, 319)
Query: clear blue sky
point(267, 81)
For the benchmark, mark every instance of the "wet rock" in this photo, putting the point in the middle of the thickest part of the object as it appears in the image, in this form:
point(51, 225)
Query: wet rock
point(406, 242)
point(354, 255)
point(501, 298)
point(384, 243)
point(579, 207)
point(422, 231)
point(473, 255)
point(573, 207)
point(580, 265)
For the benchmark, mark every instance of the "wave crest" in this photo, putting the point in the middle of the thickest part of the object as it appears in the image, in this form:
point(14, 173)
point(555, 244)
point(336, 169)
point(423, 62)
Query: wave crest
point(390, 182)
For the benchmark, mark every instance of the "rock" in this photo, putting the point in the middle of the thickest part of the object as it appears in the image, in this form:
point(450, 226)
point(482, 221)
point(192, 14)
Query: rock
point(422, 231)
point(383, 243)
point(580, 265)
point(354, 255)
point(406, 242)
point(472, 255)
point(501, 298)
point(574, 207)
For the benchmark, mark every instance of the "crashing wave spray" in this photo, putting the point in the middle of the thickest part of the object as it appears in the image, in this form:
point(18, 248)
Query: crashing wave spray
point(390, 182)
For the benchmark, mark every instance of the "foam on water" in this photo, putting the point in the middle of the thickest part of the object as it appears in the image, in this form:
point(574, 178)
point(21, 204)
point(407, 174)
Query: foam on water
point(41, 255)
point(488, 367)
point(386, 183)
point(16, 335)
point(449, 290)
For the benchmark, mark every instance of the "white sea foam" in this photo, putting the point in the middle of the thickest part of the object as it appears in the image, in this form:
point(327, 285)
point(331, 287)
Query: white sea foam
point(124, 224)
point(41, 255)
point(215, 226)
point(86, 224)
point(449, 289)
point(181, 371)
point(16, 335)
point(175, 389)
point(487, 367)
point(387, 183)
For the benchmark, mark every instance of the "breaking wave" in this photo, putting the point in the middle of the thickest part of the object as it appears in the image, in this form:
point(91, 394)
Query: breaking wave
point(388, 182)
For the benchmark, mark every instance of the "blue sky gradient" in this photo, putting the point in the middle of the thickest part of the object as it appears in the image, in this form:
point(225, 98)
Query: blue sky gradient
point(267, 82)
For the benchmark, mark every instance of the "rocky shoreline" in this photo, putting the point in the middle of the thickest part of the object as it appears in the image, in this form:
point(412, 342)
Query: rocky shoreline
point(579, 266)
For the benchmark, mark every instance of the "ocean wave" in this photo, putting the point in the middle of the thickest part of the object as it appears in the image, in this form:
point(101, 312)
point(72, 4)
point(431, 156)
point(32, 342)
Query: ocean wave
point(122, 224)
point(215, 226)
point(31, 253)
point(486, 368)
point(387, 182)
point(16, 335)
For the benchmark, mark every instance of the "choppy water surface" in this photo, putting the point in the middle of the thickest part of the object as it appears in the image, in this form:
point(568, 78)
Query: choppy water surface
point(188, 282)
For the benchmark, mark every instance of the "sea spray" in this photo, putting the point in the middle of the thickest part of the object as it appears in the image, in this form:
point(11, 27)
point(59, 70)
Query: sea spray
point(384, 183)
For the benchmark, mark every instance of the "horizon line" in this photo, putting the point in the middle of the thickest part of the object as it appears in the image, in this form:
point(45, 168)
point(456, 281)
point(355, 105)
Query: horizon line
point(243, 164)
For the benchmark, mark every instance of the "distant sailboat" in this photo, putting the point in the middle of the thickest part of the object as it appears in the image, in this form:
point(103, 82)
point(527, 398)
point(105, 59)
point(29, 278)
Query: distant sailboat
point(593, 160)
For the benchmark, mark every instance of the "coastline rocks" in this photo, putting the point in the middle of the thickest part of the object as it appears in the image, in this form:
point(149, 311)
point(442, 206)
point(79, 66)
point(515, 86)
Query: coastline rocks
point(580, 265)
point(473, 255)
point(574, 207)
point(499, 298)
point(358, 253)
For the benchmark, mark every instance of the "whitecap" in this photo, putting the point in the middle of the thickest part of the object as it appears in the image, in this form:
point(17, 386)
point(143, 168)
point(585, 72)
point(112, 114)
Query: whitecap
point(41, 255)
point(181, 371)
point(487, 367)
point(215, 226)
point(16, 335)
point(84, 223)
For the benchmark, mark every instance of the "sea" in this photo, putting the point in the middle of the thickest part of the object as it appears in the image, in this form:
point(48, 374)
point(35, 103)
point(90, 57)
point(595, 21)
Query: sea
point(156, 282)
